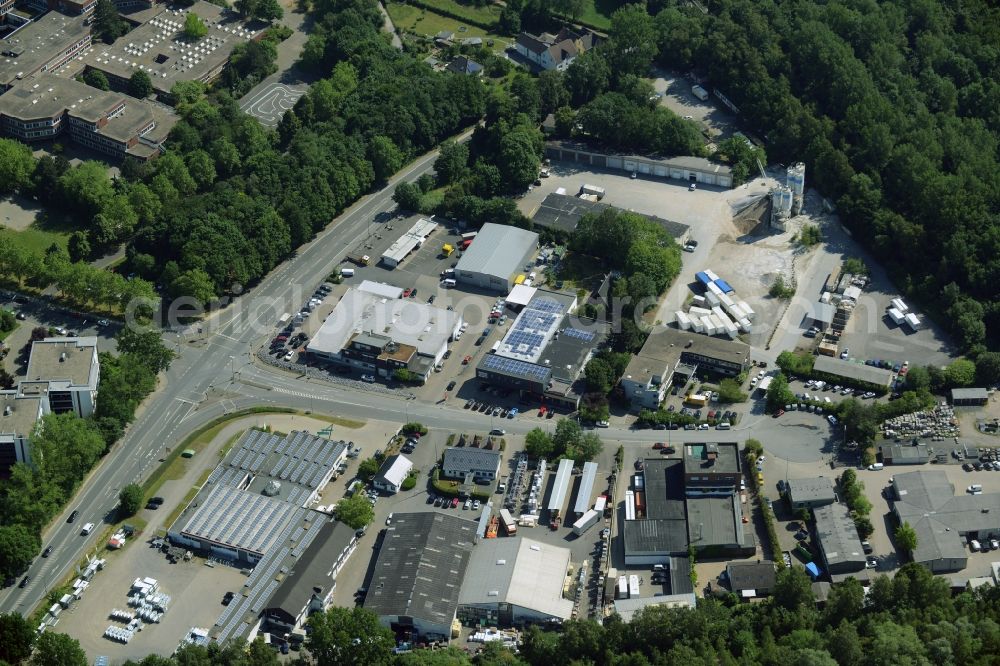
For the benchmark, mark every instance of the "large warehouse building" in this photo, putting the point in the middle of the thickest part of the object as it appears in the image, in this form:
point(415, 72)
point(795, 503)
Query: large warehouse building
point(688, 169)
point(256, 494)
point(515, 582)
point(495, 257)
point(418, 573)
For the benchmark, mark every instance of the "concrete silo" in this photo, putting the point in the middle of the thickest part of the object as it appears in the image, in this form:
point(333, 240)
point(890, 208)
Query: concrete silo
point(795, 180)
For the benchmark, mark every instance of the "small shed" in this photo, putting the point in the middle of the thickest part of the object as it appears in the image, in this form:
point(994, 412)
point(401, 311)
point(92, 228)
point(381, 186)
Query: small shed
point(969, 397)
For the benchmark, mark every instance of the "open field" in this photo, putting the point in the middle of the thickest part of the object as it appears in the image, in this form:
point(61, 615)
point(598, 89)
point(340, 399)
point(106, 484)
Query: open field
point(36, 238)
point(484, 15)
point(425, 22)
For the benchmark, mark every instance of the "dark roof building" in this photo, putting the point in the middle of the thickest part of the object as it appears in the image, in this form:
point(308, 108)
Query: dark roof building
point(418, 573)
point(561, 212)
point(463, 65)
point(663, 532)
point(715, 526)
point(41, 46)
point(858, 372)
point(839, 543)
point(751, 579)
point(460, 462)
point(969, 397)
point(711, 468)
point(308, 588)
point(905, 454)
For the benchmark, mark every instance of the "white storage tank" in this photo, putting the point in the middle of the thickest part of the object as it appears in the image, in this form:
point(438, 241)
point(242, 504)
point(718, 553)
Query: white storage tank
point(747, 310)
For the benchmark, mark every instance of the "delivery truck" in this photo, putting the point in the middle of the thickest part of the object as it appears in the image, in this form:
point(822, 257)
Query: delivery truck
point(592, 190)
point(509, 526)
point(359, 259)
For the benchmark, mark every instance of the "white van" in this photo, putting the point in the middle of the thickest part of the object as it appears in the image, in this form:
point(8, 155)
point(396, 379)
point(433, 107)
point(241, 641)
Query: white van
point(723, 426)
point(874, 467)
point(87, 529)
point(346, 272)
point(974, 546)
point(448, 283)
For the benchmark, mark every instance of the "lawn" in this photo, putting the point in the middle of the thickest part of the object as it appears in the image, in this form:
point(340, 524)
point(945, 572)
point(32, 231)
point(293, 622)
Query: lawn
point(597, 13)
point(425, 22)
point(36, 238)
point(5, 334)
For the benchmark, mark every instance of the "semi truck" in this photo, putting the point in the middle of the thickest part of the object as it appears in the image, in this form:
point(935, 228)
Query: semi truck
point(586, 521)
point(359, 259)
point(509, 526)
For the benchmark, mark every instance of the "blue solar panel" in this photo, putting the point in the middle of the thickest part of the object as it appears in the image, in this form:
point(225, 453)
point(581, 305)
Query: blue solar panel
point(586, 336)
point(546, 305)
point(515, 367)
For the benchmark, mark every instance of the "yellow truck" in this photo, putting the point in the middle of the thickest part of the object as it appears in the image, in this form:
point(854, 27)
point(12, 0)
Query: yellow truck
point(697, 399)
point(447, 249)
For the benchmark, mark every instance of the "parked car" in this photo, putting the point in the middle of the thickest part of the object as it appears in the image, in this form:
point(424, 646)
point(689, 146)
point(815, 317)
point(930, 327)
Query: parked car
point(451, 385)
point(368, 378)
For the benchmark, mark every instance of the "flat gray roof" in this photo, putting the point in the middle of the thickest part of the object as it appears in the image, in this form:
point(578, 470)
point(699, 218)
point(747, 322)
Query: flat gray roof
point(24, 413)
point(663, 481)
point(239, 519)
point(586, 487)
point(160, 48)
point(498, 250)
point(420, 567)
point(936, 540)
point(38, 43)
point(469, 458)
point(816, 489)
point(969, 394)
point(655, 537)
point(712, 457)
point(851, 370)
point(929, 493)
point(518, 571)
point(67, 359)
point(905, 453)
point(715, 521)
point(837, 534)
point(682, 162)
point(667, 343)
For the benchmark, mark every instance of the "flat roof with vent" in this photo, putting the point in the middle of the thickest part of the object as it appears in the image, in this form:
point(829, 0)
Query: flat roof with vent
point(64, 359)
point(38, 44)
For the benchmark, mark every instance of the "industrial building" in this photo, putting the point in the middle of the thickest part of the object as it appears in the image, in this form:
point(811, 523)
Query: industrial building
point(668, 352)
point(654, 536)
point(560, 487)
point(515, 582)
point(40, 46)
point(62, 376)
point(418, 573)
point(496, 256)
point(711, 469)
point(471, 464)
point(408, 242)
point(544, 351)
point(751, 579)
point(375, 333)
point(392, 474)
point(562, 213)
point(112, 123)
point(839, 543)
point(905, 454)
point(969, 397)
point(941, 519)
point(308, 587)
point(255, 496)
point(586, 488)
point(160, 47)
point(869, 375)
point(811, 493)
point(688, 169)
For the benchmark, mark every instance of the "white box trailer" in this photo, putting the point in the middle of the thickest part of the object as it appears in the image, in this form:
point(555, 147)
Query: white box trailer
point(711, 275)
point(586, 521)
point(750, 314)
point(633, 586)
point(622, 587)
point(716, 324)
point(913, 321)
point(713, 299)
point(899, 304)
point(896, 316)
point(706, 321)
point(736, 312)
point(683, 321)
point(718, 312)
point(714, 289)
point(731, 329)
point(746, 326)
point(699, 312)
point(727, 300)
point(697, 325)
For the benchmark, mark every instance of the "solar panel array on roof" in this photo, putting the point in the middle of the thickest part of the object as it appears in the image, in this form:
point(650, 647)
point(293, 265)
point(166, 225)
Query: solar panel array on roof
point(586, 336)
point(532, 329)
point(515, 367)
point(239, 519)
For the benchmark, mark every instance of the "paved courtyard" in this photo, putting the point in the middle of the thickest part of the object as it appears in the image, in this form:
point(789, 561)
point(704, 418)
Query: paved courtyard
point(269, 103)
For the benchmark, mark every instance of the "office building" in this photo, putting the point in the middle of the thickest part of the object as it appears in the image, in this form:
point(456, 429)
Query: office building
point(469, 463)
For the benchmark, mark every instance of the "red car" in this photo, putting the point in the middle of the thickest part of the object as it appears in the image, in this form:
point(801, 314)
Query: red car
point(779, 413)
point(454, 502)
point(465, 361)
point(658, 445)
point(407, 292)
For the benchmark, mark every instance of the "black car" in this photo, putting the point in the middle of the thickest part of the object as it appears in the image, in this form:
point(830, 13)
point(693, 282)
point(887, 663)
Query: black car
point(451, 385)
point(47, 552)
point(24, 581)
point(72, 516)
point(431, 299)
point(413, 294)
point(227, 598)
point(150, 506)
point(447, 353)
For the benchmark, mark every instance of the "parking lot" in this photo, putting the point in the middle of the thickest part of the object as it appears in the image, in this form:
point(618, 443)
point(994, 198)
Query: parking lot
point(677, 96)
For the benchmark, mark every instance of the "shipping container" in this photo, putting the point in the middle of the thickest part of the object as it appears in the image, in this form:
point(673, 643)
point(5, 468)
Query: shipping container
point(711, 275)
point(896, 316)
point(913, 321)
point(732, 330)
point(640, 504)
point(714, 288)
point(900, 305)
point(699, 312)
point(509, 526)
point(593, 190)
point(746, 326)
point(727, 300)
point(697, 399)
point(622, 587)
point(601, 504)
point(698, 301)
point(696, 325)
point(586, 521)
point(716, 324)
point(702, 277)
point(633, 586)
point(747, 310)
point(736, 312)
point(683, 321)
point(713, 299)
point(724, 286)
point(629, 505)
point(707, 323)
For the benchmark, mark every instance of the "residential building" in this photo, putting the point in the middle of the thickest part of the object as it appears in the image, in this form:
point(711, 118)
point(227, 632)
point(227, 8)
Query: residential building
point(811, 493)
point(839, 543)
point(117, 125)
point(160, 47)
point(554, 52)
point(687, 169)
point(376, 333)
point(393, 473)
point(463, 65)
point(65, 373)
point(40, 46)
point(495, 257)
point(418, 574)
point(515, 582)
point(471, 463)
point(308, 587)
point(969, 397)
point(751, 579)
